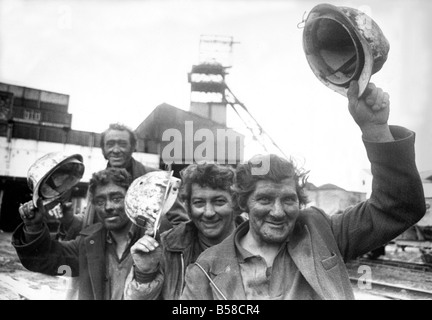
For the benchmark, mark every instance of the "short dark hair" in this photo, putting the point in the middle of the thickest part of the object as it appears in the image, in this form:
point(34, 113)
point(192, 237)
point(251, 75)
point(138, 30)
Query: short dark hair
point(210, 175)
point(278, 170)
point(118, 176)
point(120, 127)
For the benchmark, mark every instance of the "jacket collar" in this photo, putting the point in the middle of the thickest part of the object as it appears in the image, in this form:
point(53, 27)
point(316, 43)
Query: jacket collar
point(226, 267)
point(309, 251)
point(227, 270)
point(301, 251)
point(91, 229)
point(181, 237)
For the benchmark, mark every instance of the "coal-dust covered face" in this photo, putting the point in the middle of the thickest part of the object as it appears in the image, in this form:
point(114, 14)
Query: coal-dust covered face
point(117, 148)
point(108, 201)
point(273, 210)
point(212, 212)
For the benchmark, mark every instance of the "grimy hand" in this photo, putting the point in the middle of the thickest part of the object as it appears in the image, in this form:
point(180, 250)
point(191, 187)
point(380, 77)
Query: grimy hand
point(62, 212)
point(32, 217)
point(146, 254)
point(371, 111)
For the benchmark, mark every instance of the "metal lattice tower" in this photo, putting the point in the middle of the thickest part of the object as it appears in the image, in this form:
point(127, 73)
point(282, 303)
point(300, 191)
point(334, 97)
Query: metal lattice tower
point(210, 95)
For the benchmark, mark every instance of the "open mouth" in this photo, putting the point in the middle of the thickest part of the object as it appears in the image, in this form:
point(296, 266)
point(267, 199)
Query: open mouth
point(276, 223)
point(210, 224)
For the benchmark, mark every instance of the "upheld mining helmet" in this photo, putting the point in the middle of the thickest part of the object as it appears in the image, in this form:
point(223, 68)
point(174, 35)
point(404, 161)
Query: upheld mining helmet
point(343, 44)
point(54, 174)
point(149, 198)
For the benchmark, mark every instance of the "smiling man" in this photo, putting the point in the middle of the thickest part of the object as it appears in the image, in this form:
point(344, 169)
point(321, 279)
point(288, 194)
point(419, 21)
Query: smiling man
point(100, 256)
point(288, 251)
point(118, 143)
point(160, 266)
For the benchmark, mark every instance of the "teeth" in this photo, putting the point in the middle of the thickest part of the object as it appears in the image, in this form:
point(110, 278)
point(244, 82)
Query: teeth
point(210, 224)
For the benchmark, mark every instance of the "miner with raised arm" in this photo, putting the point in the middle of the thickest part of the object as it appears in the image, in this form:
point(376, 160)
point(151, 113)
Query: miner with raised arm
point(99, 258)
point(287, 251)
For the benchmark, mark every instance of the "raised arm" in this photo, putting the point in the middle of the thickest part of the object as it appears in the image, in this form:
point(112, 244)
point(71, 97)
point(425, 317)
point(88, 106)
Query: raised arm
point(397, 199)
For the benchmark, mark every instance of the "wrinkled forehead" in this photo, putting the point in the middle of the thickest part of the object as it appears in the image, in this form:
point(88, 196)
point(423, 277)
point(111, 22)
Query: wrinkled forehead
point(117, 135)
point(198, 191)
point(107, 189)
point(287, 185)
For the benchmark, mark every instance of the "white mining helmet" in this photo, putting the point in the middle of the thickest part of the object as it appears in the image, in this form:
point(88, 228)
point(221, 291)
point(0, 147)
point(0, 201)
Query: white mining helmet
point(149, 198)
point(54, 174)
point(343, 44)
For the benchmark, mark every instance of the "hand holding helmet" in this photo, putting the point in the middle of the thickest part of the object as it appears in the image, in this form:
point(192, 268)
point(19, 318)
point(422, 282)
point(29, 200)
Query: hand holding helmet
point(146, 254)
point(51, 178)
point(32, 216)
point(62, 212)
point(370, 111)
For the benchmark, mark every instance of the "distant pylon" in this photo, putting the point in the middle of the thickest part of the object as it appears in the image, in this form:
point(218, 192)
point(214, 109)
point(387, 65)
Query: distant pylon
point(216, 48)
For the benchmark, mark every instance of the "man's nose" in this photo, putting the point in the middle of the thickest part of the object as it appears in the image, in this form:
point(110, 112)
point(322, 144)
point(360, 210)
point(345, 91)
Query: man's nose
point(209, 210)
point(278, 209)
point(109, 205)
point(116, 148)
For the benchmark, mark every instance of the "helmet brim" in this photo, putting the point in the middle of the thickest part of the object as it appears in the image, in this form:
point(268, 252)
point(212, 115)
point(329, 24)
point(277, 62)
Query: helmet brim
point(332, 12)
point(77, 158)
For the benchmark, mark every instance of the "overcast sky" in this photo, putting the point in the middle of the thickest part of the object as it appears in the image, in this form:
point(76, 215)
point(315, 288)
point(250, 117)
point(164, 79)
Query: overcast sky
point(118, 60)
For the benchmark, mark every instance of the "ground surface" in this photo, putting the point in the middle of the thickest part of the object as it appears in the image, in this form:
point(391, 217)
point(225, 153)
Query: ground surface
point(403, 278)
point(18, 283)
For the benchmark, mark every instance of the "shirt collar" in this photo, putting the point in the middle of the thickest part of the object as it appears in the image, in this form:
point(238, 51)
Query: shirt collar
point(132, 234)
point(242, 253)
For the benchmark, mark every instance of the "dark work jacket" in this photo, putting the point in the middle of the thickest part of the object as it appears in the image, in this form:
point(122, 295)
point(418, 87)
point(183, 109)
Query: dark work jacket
point(178, 245)
point(321, 244)
point(85, 256)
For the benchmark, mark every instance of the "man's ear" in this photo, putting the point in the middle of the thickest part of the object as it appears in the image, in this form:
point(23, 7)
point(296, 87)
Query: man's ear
point(188, 208)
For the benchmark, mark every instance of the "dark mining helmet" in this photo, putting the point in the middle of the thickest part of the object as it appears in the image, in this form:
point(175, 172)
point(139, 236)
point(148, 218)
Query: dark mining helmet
point(343, 44)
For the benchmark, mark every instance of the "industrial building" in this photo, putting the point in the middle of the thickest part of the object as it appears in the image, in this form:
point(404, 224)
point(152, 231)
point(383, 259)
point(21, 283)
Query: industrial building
point(34, 122)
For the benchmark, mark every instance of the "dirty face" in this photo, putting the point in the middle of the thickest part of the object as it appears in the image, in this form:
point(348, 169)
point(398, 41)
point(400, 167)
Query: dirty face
point(117, 148)
point(273, 210)
point(212, 212)
point(109, 206)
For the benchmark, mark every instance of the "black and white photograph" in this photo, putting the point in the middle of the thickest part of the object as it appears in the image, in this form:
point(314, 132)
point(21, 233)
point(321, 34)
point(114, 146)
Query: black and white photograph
point(189, 150)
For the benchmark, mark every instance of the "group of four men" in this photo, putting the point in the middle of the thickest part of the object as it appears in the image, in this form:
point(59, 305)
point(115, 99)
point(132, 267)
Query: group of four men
point(282, 250)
